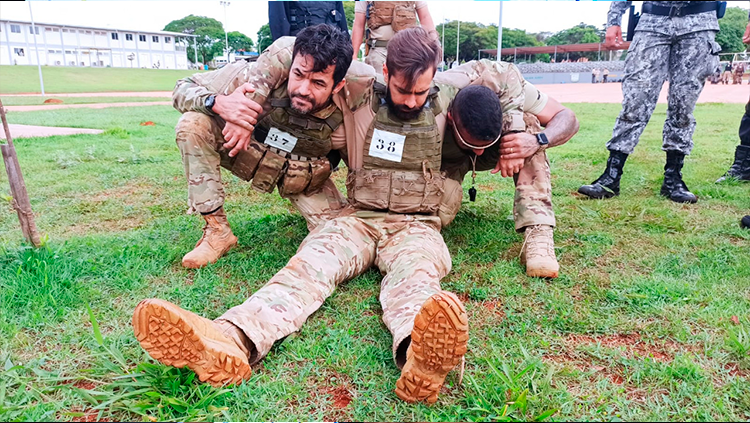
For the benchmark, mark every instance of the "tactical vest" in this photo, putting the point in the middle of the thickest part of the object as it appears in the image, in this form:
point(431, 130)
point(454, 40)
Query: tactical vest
point(288, 149)
point(308, 13)
point(401, 165)
point(398, 14)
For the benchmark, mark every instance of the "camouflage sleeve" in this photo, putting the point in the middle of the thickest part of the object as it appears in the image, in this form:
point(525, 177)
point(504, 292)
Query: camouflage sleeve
point(616, 9)
point(269, 72)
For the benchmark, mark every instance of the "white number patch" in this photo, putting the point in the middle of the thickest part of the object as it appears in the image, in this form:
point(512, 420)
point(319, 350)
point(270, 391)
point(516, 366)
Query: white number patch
point(281, 140)
point(387, 145)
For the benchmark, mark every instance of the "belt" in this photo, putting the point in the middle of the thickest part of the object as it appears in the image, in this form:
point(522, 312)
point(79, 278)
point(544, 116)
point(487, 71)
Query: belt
point(680, 11)
point(291, 156)
point(377, 43)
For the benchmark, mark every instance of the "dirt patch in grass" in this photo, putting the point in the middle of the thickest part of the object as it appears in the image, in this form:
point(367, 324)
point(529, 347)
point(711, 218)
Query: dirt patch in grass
point(341, 397)
point(85, 384)
point(88, 415)
point(632, 345)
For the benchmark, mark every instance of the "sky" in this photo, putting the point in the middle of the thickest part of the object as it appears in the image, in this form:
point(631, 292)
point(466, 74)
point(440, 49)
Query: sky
point(248, 16)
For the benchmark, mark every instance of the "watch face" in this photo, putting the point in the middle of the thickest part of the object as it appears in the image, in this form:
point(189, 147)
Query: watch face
point(210, 102)
point(542, 139)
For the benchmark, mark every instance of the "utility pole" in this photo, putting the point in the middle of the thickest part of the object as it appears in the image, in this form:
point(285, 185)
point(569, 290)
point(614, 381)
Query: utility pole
point(36, 48)
point(458, 39)
point(226, 36)
point(500, 32)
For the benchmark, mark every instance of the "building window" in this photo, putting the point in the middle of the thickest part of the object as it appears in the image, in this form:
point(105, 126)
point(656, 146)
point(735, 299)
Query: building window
point(142, 38)
point(167, 40)
point(15, 28)
point(65, 30)
point(34, 30)
point(69, 51)
point(18, 51)
point(128, 37)
point(155, 38)
point(114, 35)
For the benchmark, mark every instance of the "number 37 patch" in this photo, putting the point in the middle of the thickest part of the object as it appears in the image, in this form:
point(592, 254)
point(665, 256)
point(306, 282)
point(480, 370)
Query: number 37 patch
point(387, 145)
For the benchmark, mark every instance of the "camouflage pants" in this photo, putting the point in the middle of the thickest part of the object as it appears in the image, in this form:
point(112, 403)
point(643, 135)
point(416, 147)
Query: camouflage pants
point(200, 141)
point(652, 57)
point(408, 250)
point(376, 58)
point(532, 204)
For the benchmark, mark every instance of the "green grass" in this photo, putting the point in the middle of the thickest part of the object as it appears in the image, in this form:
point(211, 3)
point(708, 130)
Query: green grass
point(37, 100)
point(639, 326)
point(63, 79)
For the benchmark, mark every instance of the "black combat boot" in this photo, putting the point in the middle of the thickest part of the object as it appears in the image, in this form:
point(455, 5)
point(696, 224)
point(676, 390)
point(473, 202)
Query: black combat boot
point(740, 169)
point(608, 185)
point(673, 187)
point(745, 222)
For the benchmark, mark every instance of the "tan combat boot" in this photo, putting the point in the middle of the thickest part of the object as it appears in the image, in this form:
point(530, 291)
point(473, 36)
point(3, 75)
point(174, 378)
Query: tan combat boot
point(217, 239)
point(438, 343)
point(538, 252)
point(179, 338)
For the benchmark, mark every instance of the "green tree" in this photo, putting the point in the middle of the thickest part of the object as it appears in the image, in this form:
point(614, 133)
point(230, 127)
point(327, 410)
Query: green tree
point(240, 42)
point(732, 26)
point(264, 38)
point(579, 34)
point(209, 32)
point(349, 11)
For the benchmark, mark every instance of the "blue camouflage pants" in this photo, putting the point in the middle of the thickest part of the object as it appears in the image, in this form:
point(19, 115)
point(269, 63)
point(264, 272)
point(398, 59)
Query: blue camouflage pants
point(652, 57)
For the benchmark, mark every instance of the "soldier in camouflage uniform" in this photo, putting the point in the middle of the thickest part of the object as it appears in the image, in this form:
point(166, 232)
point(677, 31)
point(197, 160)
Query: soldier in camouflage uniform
point(395, 190)
point(289, 146)
point(673, 39)
point(523, 152)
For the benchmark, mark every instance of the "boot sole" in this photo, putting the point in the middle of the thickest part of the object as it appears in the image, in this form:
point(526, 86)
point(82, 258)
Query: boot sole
point(168, 338)
point(542, 273)
point(438, 343)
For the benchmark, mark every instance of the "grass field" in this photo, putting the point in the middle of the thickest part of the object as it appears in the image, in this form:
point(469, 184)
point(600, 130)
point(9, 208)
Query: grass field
point(64, 79)
point(649, 320)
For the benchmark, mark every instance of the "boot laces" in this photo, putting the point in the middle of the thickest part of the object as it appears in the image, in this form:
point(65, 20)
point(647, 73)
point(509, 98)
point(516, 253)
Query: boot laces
point(538, 242)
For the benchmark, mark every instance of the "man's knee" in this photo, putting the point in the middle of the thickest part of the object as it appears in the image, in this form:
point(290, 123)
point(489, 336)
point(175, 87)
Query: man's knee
point(196, 123)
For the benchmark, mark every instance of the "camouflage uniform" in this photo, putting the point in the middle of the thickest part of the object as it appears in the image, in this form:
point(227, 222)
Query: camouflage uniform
point(201, 142)
point(681, 48)
point(533, 197)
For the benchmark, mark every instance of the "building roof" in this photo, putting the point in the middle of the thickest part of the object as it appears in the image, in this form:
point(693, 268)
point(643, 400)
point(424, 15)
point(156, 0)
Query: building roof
point(566, 48)
point(176, 34)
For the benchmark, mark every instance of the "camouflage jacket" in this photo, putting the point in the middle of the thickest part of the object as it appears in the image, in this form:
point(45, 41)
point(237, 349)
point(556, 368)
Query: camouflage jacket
point(706, 21)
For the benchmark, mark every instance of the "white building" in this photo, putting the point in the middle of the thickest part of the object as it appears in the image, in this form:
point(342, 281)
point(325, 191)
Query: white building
point(71, 45)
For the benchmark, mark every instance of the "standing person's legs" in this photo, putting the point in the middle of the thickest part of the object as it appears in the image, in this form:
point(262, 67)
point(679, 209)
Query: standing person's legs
point(740, 169)
point(376, 58)
point(691, 61)
point(429, 326)
point(645, 72)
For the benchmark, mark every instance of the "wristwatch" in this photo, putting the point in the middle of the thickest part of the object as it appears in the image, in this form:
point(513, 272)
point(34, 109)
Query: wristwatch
point(209, 103)
point(542, 140)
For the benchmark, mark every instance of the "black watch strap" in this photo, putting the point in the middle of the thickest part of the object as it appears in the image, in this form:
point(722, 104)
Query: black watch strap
point(209, 103)
point(542, 139)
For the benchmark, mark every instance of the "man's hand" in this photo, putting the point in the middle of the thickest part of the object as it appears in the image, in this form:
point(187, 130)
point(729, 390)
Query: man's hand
point(613, 37)
point(746, 36)
point(237, 138)
point(518, 146)
point(508, 167)
point(238, 109)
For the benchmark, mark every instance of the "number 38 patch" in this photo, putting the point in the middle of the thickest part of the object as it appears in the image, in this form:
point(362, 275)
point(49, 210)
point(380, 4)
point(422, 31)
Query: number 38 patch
point(387, 145)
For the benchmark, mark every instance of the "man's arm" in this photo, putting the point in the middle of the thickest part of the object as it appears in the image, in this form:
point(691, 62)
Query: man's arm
point(613, 37)
point(425, 19)
point(560, 125)
point(358, 32)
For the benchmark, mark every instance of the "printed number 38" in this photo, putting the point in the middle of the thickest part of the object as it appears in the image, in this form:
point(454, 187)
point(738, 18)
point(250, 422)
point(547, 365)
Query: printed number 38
point(381, 145)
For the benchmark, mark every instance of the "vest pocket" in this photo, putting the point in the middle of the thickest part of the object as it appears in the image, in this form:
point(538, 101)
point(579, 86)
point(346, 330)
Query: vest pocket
point(296, 178)
point(246, 162)
point(321, 171)
point(412, 192)
point(369, 189)
point(403, 17)
point(269, 172)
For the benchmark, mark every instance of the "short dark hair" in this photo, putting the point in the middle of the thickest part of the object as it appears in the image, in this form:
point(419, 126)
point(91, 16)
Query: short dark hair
point(412, 52)
point(479, 112)
point(327, 45)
